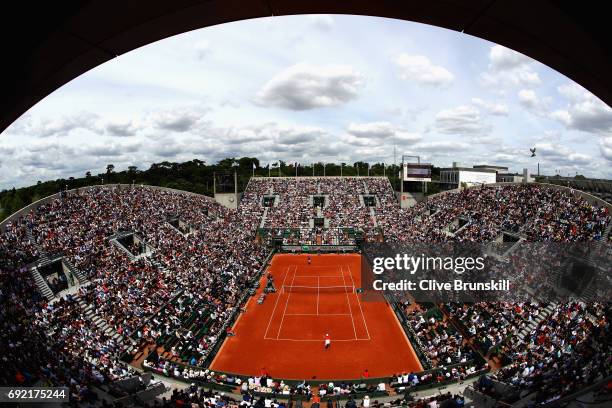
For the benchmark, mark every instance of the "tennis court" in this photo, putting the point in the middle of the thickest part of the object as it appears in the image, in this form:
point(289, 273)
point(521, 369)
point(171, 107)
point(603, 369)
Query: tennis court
point(321, 298)
point(284, 335)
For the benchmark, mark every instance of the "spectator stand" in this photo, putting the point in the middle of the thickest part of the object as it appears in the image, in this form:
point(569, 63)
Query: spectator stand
point(194, 320)
point(265, 386)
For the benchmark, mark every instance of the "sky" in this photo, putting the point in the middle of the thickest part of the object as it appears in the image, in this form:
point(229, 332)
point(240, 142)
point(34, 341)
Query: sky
point(313, 88)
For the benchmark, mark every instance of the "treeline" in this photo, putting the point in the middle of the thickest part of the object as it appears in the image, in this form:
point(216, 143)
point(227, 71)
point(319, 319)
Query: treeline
point(196, 176)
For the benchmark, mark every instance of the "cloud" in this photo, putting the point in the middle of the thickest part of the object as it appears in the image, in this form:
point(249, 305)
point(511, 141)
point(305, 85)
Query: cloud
point(442, 146)
point(323, 22)
point(462, 120)
point(503, 58)
point(562, 154)
point(381, 130)
point(293, 142)
point(57, 127)
point(120, 129)
point(409, 114)
point(111, 149)
point(497, 109)
point(177, 120)
point(584, 111)
point(508, 67)
point(546, 136)
point(605, 147)
point(562, 116)
point(504, 157)
point(518, 77)
point(304, 86)
point(420, 69)
point(530, 101)
point(297, 135)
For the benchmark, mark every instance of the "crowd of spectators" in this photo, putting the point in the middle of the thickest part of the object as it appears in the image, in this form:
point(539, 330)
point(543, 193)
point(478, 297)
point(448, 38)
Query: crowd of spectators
point(183, 293)
point(539, 212)
point(562, 354)
point(440, 340)
point(299, 201)
point(490, 325)
point(212, 267)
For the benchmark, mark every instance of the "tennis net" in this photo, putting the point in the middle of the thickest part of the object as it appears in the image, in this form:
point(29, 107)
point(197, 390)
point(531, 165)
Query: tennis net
point(317, 289)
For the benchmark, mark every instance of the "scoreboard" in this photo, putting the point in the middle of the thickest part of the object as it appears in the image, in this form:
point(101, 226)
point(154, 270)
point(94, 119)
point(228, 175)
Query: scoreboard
point(417, 172)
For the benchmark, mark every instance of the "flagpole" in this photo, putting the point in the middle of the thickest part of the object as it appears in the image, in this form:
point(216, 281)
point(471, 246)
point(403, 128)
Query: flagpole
point(269, 169)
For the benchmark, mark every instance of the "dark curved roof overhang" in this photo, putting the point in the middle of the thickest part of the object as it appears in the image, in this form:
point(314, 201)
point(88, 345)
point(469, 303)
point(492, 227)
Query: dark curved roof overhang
point(47, 44)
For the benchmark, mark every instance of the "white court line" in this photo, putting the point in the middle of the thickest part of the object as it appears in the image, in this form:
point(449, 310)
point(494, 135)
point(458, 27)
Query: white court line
point(349, 303)
point(317, 314)
point(277, 298)
point(318, 293)
point(315, 276)
point(272, 338)
point(320, 266)
point(359, 303)
point(286, 304)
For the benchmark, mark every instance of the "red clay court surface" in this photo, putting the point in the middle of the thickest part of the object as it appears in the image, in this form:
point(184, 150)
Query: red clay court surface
point(285, 335)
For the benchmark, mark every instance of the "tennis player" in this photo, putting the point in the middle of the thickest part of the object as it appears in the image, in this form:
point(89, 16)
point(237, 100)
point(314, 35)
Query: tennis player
point(327, 341)
point(309, 259)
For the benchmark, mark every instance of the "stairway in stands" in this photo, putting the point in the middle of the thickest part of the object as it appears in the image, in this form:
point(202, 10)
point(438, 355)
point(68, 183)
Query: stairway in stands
point(159, 266)
point(263, 218)
point(43, 258)
point(88, 310)
point(79, 275)
point(42, 285)
point(365, 187)
point(372, 210)
point(547, 311)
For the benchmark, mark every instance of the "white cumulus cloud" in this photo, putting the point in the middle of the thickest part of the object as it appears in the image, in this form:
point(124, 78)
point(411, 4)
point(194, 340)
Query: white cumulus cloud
point(304, 86)
point(497, 109)
point(462, 120)
point(421, 70)
point(509, 68)
point(584, 111)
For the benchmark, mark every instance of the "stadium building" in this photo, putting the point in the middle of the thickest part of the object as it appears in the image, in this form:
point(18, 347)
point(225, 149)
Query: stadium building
point(141, 296)
point(111, 284)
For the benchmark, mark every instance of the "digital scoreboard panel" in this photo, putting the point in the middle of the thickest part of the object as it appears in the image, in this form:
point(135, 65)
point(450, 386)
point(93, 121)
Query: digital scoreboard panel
point(417, 172)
